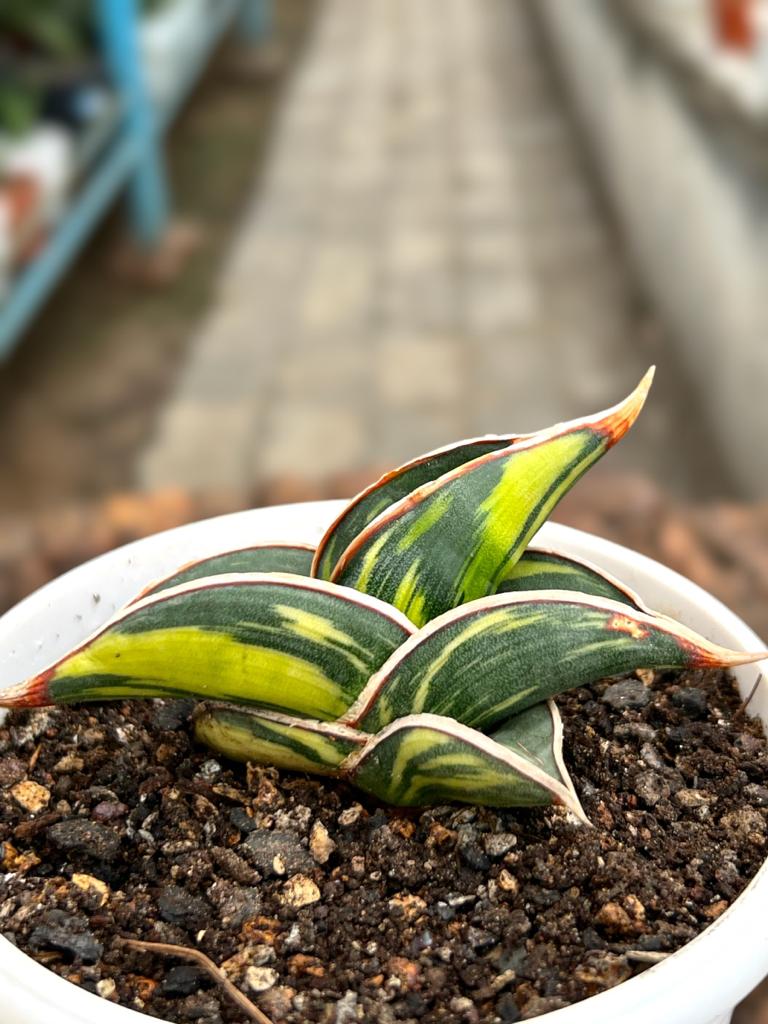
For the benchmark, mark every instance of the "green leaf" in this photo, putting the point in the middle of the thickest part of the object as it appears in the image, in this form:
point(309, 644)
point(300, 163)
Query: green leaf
point(429, 759)
point(495, 657)
point(536, 734)
point(291, 558)
point(542, 569)
point(288, 643)
point(426, 759)
point(300, 744)
point(395, 485)
point(455, 539)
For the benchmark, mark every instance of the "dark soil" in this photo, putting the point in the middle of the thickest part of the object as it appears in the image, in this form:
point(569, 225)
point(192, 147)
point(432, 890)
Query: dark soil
point(326, 907)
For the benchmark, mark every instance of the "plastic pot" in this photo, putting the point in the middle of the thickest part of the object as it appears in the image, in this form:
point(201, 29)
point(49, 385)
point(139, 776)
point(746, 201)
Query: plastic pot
point(700, 984)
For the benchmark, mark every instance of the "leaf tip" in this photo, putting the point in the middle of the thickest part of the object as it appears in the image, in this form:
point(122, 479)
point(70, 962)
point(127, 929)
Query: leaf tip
point(721, 657)
point(33, 693)
point(615, 423)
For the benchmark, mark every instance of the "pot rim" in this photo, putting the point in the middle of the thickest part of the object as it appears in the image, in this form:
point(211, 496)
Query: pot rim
point(738, 939)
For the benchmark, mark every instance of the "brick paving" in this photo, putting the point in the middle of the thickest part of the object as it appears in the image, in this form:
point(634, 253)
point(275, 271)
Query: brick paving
point(425, 259)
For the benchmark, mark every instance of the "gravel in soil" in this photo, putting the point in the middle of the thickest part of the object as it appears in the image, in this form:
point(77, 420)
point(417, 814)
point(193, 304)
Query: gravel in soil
point(326, 907)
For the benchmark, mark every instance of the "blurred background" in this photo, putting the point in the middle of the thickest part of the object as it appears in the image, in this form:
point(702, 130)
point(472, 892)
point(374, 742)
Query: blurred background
point(255, 251)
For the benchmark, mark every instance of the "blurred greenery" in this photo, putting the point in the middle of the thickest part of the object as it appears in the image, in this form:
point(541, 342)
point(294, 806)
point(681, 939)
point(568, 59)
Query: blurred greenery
point(40, 41)
point(55, 28)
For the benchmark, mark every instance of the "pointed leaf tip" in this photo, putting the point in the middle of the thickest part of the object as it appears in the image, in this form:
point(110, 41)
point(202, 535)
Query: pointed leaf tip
point(614, 423)
point(721, 657)
point(34, 693)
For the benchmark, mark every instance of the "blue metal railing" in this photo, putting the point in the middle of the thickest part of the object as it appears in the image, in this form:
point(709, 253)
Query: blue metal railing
point(130, 160)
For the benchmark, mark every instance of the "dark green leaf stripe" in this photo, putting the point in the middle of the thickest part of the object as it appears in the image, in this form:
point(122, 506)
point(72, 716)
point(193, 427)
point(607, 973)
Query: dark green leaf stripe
point(536, 735)
point(541, 569)
point(288, 643)
point(395, 485)
point(494, 657)
point(425, 759)
point(455, 539)
point(245, 734)
point(428, 759)
point(290, 558)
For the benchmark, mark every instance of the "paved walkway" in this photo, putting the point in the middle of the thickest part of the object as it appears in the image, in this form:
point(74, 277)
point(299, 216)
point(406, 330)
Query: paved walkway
point(425, 259)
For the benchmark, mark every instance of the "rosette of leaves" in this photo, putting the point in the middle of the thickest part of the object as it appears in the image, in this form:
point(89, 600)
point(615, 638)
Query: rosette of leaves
point(416, 651)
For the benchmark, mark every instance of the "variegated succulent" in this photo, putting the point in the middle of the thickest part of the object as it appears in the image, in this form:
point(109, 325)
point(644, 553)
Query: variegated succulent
point(416, 651)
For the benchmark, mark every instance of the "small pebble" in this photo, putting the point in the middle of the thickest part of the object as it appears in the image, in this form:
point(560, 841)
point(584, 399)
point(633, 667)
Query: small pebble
point(300, 891)
point(278, 1002)
point(106, 988)
point(406, 906)
point(346, 1009)
point(209, 770)
point(177, 906)
point(86, 838)
point(693, 799)
point(613, 918)
point(628, 694)
point(480, 940)
point(259, 979)
point(602, 970)
point(263, 847)
point(235, 904)
point(652, 757)
point(69, 933)
point(635, 731)
point(691, 701)
point(507, 881)
point(12, 769)
point(242, 820)
point(465, 1010)
point(651, 787)
point(234, 866)
point(69, 763)
point(321, 846)
point(714, 910)
point(109, 810)
point(293, 939)
point(746, 821)
point(89, 884)
point(470, 851)
point(756, 794)
point(182, 980)
point(263, 954)
point(350, 816)
point(31, 796)
point(498, 844)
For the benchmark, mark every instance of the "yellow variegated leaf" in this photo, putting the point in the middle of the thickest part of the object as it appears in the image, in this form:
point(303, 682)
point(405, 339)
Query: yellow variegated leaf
point(427, 759)
point(458, 537)
point(395, 485)
point(543, 569)
point(289, 643)
point(493, 658)
point(291, 558)
point(267, 737)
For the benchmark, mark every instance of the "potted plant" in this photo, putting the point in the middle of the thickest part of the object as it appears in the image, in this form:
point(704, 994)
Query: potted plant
point(396, 697)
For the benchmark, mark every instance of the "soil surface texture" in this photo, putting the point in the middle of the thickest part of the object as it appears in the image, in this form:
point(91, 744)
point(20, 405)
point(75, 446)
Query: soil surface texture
point(323, 906)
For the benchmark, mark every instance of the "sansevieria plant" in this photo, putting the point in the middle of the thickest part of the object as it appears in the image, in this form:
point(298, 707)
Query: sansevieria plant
point(416, 651)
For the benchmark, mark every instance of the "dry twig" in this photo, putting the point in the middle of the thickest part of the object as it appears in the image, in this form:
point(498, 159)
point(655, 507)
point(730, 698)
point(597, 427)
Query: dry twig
point(745, 703)
point(187, 953)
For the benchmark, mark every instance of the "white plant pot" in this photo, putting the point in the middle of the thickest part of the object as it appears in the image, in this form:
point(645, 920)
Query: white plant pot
point(700, 984)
